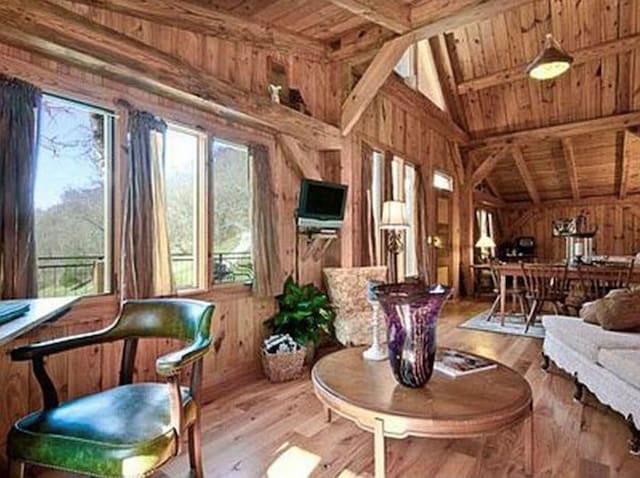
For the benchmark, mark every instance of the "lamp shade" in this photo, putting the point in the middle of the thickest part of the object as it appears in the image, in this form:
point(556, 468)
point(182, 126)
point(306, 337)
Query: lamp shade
point(485, 241)
point(551, 62)
point(394, 216)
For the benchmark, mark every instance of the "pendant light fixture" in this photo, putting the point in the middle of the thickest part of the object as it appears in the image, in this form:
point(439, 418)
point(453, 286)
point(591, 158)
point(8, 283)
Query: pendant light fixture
point(551, 62)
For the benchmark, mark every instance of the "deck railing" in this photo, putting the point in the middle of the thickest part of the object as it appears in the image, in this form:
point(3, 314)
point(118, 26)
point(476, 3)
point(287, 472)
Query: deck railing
point(85, 275)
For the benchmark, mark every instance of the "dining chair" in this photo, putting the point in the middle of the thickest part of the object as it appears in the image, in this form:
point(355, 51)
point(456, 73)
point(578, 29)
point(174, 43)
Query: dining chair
point(130, 430)
point(516, 293)
point(544, 284)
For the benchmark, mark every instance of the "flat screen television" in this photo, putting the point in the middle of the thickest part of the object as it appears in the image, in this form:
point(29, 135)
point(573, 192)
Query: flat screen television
point(321, 204)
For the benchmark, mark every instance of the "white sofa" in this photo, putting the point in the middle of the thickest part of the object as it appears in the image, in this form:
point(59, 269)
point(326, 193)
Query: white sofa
point(607, 363)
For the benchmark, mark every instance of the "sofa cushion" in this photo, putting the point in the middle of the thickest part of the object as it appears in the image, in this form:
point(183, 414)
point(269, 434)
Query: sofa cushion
point(587, 339)
point(625, 364)
point(618, 310)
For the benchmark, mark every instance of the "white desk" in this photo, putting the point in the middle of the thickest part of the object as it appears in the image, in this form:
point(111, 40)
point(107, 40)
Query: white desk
point(40, 311)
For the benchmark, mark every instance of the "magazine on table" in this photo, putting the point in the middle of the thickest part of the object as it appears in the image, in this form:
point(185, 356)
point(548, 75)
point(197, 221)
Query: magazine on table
point(456, 363)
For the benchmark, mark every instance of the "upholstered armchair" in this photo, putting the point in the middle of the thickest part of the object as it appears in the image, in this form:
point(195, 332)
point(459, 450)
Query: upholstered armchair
point(130, 430)
point(347, 289)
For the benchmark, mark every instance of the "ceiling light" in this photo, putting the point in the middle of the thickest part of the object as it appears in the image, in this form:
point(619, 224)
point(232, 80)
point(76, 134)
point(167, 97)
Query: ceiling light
point(551, 62)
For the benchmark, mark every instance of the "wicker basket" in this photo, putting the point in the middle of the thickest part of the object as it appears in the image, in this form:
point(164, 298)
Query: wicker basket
point(284, 366)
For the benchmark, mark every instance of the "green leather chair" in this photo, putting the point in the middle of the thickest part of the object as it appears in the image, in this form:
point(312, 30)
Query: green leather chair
point(130, 430)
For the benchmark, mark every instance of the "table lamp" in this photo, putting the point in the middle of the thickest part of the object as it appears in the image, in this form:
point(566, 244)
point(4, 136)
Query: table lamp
point(394, 221)
point(485, 242)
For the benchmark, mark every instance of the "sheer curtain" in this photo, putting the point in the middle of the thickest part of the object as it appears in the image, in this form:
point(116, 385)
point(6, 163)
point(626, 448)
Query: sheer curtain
point(264, 236)
point(146, 260)
point(18, 161)
point(366, 208)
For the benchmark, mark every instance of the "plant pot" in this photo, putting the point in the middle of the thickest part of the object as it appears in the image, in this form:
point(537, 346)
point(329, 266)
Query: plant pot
point(283, 367)
point(411, 312)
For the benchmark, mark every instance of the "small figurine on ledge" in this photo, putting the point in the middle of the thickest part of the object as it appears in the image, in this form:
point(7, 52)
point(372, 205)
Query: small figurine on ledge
point(274, 93)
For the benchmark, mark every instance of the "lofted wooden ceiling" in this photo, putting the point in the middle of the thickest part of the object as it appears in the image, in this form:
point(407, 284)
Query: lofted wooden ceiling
point(481, 49)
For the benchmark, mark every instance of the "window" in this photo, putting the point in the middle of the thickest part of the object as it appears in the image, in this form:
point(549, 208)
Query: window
point(418, 70)
point(442, 181)
point(183, 166)
point(231, 180)
point(72, 198)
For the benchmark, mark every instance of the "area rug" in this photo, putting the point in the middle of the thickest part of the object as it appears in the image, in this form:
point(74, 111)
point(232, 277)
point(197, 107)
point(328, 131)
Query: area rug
point(513, 325)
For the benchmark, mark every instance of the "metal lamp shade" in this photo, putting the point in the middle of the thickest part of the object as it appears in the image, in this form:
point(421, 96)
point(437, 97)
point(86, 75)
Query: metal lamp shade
point(552, 61)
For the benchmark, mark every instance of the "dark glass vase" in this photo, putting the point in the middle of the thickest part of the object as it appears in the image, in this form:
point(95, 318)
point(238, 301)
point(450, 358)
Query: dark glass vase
point(411, 312)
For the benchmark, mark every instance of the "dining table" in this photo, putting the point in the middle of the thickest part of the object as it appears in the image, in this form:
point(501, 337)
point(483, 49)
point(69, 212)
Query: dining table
point(514, 270)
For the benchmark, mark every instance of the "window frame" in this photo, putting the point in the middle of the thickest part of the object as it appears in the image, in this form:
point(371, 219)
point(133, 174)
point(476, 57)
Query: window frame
point(212, 284)
point(110, 173)
point(200, 226)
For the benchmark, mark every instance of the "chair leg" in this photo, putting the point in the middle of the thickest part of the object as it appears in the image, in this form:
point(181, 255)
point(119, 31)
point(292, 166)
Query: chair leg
point(546, 362)
point(532, 315)
point(494, 306)
point(16, 469)
point(579, 393)
point(523, 309)
point(195, 450)
point(634, 441)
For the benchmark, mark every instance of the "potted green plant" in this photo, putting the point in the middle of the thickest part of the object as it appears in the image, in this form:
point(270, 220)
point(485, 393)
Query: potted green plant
point(304, 313)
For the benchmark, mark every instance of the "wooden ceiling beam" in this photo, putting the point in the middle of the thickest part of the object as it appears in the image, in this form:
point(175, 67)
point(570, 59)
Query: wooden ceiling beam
point(370, 83)
point(59, 33)
point(486, 199)
point(492, 187)
point(580, 57)
point(549, 133)
point(299, 159)
point(630, 199)
point(570, 162)
point(527, 178)
point(198, 18)
point(458, 164)
point(392, 15)
point(485, 168)
point(454, 15)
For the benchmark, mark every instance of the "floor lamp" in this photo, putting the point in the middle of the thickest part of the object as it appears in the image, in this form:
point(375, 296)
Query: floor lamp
point(394, 221)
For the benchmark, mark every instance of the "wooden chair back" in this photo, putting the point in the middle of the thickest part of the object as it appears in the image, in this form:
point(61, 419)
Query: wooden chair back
point(598, 281)
point(543, 282)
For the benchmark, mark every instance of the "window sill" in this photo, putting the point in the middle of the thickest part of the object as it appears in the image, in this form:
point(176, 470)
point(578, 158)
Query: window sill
point(219, 292)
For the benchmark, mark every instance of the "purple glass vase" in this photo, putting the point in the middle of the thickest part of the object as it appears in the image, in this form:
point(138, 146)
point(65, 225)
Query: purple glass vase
point(411, 312)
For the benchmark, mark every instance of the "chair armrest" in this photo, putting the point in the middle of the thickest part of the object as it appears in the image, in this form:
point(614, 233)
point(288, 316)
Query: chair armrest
point(50, 347)
point(173, 362)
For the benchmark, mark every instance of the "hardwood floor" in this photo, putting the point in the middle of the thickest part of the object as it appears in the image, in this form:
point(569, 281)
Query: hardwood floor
point(261, 429)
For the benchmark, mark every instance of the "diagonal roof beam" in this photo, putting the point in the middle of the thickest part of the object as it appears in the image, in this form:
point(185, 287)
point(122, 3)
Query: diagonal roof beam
point(195, 17)
point(389, 55)
point(570, 162)
point(392, 15)
point(528, 180)
point(59, 33)
point(486, 166)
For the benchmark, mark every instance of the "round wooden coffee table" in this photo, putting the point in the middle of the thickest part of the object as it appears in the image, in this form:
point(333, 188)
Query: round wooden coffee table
point(366, 393)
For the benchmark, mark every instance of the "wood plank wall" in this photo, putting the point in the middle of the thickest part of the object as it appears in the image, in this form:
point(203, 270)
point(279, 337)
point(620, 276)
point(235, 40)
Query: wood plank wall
point(389, 123)
point(618, 225)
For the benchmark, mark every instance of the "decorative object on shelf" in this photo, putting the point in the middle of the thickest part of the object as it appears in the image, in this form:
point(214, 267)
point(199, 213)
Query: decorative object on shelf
point(411, 312)
point(394, 221)
point(274, 93)
point(304, 313)
point(282, 358)
point(377, 351)
point(551, 62)
point(297, 102)
point(485, 242)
